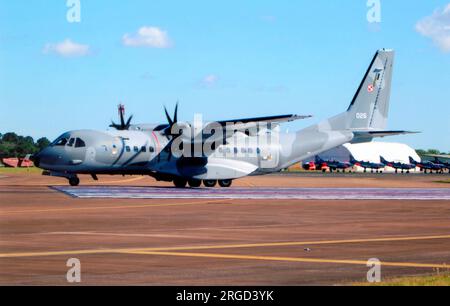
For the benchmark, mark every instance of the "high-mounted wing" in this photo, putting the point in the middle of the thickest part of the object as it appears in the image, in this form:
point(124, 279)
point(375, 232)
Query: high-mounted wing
point(248, 124)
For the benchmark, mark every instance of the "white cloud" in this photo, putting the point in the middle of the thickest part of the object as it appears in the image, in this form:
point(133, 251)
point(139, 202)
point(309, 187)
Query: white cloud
point(152, 37)
point(67, 48)
point(437, 28)
point(210, 80)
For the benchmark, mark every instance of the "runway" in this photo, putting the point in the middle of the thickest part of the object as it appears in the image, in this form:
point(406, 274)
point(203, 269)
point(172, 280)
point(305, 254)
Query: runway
point(284, 230)
point(124, 192)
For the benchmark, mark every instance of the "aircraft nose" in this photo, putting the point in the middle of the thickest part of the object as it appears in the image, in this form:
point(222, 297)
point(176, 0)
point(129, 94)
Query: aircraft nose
point(36, 159)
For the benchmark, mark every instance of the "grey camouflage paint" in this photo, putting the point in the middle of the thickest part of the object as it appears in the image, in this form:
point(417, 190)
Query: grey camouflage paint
point(105, 152)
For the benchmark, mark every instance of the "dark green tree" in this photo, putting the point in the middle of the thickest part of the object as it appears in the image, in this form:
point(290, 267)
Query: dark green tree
point(42, 143)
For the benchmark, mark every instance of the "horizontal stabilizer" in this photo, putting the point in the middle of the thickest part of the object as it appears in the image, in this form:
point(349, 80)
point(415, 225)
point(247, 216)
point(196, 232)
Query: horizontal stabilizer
point(373, 134)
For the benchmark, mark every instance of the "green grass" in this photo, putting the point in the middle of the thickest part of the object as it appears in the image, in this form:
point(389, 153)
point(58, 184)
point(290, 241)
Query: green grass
point(447, 181)
point(442, 279)
point(7, 170)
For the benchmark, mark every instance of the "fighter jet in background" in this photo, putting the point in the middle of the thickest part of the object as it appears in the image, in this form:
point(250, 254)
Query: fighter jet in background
point(219, 152)
point(397, 165)
point(426, 166)
point(378, 167)
point(332, 165)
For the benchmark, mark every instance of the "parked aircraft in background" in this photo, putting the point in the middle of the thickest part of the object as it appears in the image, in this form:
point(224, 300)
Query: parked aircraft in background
point(378, 167)
point(398, 166)
point(229, 149)
point(332, 165)
point(426, 166)
point(438, 159)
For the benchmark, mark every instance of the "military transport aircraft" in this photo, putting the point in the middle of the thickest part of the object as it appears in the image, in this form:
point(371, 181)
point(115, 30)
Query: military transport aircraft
point(378, 167)
point(219, 152)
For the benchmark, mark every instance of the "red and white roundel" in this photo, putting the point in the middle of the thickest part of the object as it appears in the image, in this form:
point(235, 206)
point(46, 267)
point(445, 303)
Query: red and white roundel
point(370, 88)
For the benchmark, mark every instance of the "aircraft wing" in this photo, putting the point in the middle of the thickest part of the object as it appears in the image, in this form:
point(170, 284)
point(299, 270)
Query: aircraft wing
point(245, 124)
point(268, 119)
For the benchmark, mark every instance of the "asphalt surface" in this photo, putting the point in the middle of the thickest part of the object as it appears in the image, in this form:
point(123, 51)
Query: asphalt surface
point(220, 241)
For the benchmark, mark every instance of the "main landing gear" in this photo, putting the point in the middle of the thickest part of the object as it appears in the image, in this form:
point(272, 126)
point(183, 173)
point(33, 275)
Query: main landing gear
point(74, 181)
point(193, 183)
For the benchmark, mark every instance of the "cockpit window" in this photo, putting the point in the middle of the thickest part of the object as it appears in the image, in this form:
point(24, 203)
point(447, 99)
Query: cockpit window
point(71, 141)
point(60, 142)
point(79, 143)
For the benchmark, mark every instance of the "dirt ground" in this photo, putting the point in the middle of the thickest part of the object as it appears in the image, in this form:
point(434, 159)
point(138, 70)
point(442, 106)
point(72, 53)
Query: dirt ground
point(219, 241)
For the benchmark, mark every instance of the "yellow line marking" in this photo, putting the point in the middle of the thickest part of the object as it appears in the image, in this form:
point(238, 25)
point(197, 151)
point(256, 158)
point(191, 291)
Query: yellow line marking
point(205, 201)
point(229, 246)
point(292, 259)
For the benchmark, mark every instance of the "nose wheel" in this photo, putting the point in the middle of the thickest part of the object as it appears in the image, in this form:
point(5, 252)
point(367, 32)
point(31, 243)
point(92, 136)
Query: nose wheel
point(74, 181)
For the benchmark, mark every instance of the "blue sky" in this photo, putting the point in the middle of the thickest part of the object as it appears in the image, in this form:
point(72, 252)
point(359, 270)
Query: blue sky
point(226, 59)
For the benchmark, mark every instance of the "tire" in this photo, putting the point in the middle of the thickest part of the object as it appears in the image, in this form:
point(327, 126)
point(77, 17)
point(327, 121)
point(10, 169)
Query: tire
point(194, 183)
point(74, 181)
point(210, 183)
point(180, 183)
point(225, 183)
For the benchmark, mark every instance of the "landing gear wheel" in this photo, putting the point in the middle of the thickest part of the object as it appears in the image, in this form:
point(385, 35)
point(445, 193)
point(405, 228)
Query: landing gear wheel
point(209, 183)
point(180, 183)
point(194, 183)
point(74, 181)
point(225, 183)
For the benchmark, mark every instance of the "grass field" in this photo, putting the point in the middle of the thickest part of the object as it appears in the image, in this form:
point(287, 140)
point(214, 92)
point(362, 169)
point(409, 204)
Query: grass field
point(6, 170)
point(431, 280)
point(447, 181)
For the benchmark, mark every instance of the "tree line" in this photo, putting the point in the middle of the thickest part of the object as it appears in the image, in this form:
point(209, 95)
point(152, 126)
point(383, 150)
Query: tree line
point(13, 145)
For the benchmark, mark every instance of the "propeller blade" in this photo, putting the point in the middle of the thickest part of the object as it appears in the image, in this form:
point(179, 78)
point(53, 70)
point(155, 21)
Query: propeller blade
point(168, 117)
point(122, 121)
point(128, 122)
point(175, 116)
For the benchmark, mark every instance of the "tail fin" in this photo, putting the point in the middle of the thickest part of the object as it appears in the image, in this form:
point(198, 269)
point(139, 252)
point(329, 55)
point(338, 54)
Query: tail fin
point(369, 108)
point(370, 105)
point(352, 159)
point(383, 161)
point(412, 161)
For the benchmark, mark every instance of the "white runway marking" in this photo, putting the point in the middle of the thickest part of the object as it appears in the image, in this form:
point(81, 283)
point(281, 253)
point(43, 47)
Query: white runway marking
point(124, 192)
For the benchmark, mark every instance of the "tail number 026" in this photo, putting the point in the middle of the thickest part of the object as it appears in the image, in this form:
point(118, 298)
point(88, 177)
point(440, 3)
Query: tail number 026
point(361, 115)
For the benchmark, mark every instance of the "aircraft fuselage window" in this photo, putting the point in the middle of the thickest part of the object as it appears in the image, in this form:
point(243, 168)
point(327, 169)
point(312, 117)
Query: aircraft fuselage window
point(151, 149)
point(79, 143)
point(250, 151)
point(135, 149)
point(127, 148)
point(235, 150)
point(243, 150)
point(71, 141)
point(144, 149)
